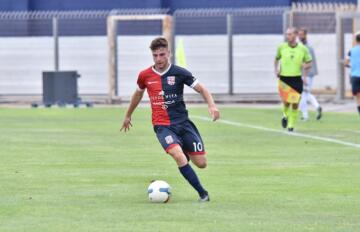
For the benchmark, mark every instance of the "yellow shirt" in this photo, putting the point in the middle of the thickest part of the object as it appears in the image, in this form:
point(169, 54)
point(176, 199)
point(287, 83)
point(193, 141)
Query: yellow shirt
point(292, 58)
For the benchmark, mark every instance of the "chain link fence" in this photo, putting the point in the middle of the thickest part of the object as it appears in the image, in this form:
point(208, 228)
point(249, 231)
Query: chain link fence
point(27, 44)
point(230, 50)
point(321, 21)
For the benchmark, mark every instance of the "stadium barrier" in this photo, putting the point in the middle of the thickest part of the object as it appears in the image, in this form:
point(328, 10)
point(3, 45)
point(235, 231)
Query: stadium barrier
point(230, 50)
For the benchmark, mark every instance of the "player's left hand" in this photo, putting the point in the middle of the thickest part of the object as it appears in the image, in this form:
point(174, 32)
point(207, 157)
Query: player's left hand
point(214, 112)
point(126, 125)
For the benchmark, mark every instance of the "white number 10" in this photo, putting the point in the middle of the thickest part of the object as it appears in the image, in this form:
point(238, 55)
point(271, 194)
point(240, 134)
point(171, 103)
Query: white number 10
point(198, 147)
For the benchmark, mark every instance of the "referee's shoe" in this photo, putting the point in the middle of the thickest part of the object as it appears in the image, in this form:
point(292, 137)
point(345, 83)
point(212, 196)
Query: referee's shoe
point(284, 122)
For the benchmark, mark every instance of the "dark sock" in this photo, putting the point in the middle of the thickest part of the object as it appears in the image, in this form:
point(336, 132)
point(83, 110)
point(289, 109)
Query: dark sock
point(359, 109)
point(190, 175)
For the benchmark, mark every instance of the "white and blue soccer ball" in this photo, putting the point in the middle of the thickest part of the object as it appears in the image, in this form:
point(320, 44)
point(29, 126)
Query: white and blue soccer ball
point(159, 191)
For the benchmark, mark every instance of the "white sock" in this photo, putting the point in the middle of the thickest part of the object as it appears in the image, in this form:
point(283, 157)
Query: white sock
point(303, 104)
point(313, 101)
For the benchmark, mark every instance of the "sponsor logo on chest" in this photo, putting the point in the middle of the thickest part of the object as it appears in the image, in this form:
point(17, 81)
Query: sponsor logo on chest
point(171, 80)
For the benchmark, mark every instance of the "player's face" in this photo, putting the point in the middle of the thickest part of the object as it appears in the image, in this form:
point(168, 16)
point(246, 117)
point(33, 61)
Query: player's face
point(302, 36)
point(161, 58)
point(291, 36)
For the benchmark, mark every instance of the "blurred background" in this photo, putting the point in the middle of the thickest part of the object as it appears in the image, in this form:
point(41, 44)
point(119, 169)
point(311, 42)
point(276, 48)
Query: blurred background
point(229, 45)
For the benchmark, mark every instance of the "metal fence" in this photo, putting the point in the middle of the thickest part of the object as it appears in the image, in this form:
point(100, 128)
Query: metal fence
point(230, 50)
point(28, 46)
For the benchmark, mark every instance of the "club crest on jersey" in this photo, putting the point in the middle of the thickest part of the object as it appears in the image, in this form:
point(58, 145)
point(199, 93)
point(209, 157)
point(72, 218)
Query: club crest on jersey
point(171, 80)
point(169, 139)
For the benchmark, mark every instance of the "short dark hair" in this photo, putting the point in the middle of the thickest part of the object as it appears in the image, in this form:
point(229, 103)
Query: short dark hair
point(357, 38)
point(159, 42)
point(303, 29)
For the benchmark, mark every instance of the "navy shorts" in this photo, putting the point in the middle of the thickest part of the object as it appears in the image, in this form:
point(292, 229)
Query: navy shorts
point(184, 134)
point(355, 84)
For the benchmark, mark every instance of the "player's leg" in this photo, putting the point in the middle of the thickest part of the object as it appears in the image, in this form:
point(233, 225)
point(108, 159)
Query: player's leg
point(312, 99)
point(355, 84)
point(194, 145)
point(178, 155)
point(304, 105)
point(286, 111)
point(283, 89)
point(297, 85)
point(317, 106)
point(304, 100)
point(172, 145)
point(188, 172)
point(199, 160)
point(294, 114)
point(358, 101)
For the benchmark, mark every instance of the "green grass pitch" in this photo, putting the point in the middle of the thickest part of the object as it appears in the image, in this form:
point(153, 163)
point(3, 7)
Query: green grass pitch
point(72, 170)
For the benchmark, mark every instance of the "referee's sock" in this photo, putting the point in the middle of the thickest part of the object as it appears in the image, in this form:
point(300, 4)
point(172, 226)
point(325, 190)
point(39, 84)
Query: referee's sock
point(294, 114)
point(190, 175)
point(286, 111)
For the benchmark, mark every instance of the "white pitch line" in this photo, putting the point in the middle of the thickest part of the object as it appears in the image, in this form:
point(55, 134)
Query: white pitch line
point(353, 131)
point(296, 134)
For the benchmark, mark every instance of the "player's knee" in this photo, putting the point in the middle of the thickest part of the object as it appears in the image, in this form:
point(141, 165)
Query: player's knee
point(202, 164)
point(178, 155)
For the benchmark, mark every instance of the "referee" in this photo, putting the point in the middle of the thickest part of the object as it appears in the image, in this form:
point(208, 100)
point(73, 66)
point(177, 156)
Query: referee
point(292, 63)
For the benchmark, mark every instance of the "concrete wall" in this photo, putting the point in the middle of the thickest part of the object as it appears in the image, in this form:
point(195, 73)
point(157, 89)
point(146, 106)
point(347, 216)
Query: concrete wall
point(24, 59)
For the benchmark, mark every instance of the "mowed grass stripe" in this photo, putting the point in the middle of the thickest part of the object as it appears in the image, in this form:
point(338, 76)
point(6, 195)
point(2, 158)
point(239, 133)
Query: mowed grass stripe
point(295, 134)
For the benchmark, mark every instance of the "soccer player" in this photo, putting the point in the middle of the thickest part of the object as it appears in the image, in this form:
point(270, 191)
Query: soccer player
point(306, 96)
point(295, 60)
point(353, 62)
point(176, 133)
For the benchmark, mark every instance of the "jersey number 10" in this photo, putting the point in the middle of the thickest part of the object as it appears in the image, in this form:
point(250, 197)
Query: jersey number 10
point(198, 147)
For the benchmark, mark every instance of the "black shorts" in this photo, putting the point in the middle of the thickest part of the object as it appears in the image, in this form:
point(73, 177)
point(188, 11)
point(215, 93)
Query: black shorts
point(355, 85)
point(184, 134)
point(294, 82)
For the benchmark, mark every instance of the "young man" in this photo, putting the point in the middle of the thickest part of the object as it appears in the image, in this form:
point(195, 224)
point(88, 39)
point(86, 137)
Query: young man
point(176, 133)
point(306, 96)
point(353, 62)
point(295, 60)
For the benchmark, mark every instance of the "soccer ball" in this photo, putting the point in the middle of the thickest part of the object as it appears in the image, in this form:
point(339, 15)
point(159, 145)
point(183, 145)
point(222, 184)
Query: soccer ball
point(159, 191)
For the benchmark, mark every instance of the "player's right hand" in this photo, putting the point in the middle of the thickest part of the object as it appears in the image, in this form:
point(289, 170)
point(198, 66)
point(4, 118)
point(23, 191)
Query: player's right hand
point(126, 125)
point(214, 112)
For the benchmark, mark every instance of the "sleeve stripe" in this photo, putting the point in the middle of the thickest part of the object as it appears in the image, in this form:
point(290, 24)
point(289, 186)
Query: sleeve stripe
point(194, 83)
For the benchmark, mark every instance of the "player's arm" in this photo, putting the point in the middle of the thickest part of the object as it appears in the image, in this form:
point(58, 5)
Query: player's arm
point(276, 62)
point(347, 61)
point(213, 110)
point(135, 100)
point(307, 65)
point(306, 68)
point(276, 68)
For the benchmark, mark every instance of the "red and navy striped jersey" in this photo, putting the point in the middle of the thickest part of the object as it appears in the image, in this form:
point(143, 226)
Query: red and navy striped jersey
point(166, 92)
